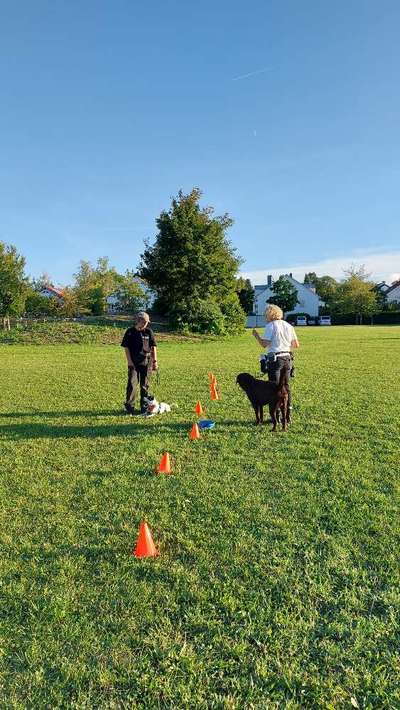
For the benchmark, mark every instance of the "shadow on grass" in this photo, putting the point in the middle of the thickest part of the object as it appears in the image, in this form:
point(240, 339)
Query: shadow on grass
point(68, 413)
point(45, 431)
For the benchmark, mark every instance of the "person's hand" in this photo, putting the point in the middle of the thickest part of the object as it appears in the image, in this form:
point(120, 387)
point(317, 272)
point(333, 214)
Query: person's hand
point(155, 365)
point(254, 332)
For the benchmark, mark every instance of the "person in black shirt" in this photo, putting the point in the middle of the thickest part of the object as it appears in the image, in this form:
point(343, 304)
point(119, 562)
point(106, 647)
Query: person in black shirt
point(141, 355)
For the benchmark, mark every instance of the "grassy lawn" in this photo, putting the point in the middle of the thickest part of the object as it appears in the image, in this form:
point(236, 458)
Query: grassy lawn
point(278, 580)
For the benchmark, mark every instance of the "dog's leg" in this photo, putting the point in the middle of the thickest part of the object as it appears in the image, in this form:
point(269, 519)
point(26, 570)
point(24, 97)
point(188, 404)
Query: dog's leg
point(274, 418)
point(283, 415)
point(274, 422)
point(287, 411)
point(261, 414)
point(255, 407)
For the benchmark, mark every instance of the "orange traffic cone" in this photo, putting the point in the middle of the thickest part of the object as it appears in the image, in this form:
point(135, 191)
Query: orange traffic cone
point(211, 376)
point(164, 465)
point(213, 392)
point(214, 381)
point(145, 546)
point(194, 432)
point(198, 408)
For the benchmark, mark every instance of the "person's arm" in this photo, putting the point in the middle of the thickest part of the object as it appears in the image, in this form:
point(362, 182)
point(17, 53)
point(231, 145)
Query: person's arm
point(262, 341)
point(154, 357)
point(295, 343)
point(128, 357)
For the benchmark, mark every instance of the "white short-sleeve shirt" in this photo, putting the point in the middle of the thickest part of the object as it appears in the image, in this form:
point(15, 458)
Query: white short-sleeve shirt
point(281, 334)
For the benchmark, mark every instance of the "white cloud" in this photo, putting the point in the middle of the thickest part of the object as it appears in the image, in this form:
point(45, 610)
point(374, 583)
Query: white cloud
point(383, 266)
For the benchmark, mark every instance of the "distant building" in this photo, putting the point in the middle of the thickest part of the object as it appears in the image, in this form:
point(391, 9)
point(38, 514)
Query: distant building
point(50, 292)
point(308, 300)
point(383, 287)
point(393, 293)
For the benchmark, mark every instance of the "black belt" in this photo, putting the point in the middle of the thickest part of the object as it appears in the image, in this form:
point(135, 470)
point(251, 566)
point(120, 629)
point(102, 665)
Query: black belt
point(274, 356)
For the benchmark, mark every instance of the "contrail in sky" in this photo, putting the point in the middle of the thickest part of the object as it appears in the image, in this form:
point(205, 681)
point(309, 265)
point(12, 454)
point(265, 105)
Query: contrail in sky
point(252, 73)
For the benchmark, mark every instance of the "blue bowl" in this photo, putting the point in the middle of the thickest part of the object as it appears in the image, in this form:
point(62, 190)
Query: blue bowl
point(206, 424)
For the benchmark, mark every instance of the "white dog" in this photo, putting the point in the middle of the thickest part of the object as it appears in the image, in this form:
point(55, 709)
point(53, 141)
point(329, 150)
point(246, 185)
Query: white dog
point(153, 407)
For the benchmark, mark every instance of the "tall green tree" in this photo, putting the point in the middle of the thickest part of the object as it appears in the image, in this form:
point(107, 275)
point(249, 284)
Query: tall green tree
point(93, 284)
point(37, 305)
point(13, 283)
point(245, 292)
point(284, 294)
point(311, 278)
point(325, 287)
point(356, 295)
point(130, 294)
point(192, 266)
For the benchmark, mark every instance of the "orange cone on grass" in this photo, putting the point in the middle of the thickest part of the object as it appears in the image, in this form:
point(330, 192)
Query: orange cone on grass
point(145, 546)
point(198, 408)
point(165, 464)
point(213, 392)
point(194, 433)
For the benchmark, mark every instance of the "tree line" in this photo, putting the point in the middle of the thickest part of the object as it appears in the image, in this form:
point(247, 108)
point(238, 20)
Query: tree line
point(355, 295)
point(190, 266)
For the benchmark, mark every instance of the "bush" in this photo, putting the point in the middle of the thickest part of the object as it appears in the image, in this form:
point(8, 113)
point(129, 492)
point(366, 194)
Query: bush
point(200, 317)
point(207, 316)
point(387, 318)
point(234, 315)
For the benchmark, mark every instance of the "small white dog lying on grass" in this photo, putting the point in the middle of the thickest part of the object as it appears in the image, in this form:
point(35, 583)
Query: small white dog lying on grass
point(153, 407)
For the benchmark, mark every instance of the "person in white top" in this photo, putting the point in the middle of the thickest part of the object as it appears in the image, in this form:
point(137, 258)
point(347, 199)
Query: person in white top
point(279, 339)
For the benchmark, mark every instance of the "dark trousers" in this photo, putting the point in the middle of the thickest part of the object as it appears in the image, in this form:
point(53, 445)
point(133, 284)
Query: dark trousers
point(274, 372)
point(138, 375)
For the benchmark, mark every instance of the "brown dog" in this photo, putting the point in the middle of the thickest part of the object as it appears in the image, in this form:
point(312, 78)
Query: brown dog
point(261, 393)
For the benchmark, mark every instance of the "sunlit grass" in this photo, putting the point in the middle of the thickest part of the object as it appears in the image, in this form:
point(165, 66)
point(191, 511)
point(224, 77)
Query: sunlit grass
point(278, 579)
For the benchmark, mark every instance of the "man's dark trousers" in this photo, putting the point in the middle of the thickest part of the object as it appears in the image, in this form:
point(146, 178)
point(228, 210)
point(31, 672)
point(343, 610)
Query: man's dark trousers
point(274, 372)
point(137, 376)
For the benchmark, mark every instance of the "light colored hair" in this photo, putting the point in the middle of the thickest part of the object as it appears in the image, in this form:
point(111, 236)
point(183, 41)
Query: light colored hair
point(142, 315)
point(273, 312)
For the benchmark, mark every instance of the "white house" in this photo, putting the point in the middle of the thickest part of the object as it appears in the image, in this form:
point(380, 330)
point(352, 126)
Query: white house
point(50, 292)
point(308, 301)
point(393, 293)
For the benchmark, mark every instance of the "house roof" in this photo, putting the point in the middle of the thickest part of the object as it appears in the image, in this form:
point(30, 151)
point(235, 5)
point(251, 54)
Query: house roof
point(394, 285)
point(383, 286)
point(298, 285)
point(56, 291)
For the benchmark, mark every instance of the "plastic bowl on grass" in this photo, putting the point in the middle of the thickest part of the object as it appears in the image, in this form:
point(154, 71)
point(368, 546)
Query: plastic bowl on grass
point(206, 424)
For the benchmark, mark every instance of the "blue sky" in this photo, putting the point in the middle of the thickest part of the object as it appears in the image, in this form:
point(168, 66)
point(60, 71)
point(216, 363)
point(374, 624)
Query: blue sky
point(108, 108)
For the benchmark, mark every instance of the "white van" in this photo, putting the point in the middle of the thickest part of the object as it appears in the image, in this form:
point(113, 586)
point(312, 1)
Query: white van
point(301, 320)
point(324, 320)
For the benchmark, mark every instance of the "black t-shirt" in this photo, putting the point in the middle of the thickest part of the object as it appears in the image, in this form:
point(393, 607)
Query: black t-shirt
point(139, 343)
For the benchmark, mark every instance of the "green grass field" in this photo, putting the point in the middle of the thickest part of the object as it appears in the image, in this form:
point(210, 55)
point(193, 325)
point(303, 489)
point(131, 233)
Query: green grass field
point(277, 584)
